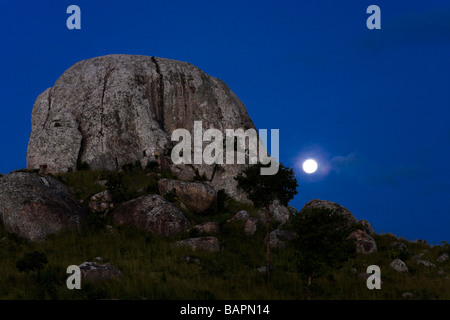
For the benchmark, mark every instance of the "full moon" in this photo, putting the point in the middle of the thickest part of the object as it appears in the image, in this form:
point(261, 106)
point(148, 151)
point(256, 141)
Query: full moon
point(310, 166)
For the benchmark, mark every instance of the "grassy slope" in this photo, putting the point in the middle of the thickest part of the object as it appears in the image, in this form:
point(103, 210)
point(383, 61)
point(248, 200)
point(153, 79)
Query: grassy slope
point(154, 269)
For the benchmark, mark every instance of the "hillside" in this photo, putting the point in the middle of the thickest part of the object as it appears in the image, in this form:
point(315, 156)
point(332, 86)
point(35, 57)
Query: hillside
point(153, 268)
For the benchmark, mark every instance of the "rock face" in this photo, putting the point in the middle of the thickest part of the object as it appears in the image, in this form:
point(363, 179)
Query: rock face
point(33, 206)
point(101, 202)
point(210, 244)
point(91, 271)
point(152, 213)
point(197, 197)
point(365, 244)
point(316, 203)
point(113, 110)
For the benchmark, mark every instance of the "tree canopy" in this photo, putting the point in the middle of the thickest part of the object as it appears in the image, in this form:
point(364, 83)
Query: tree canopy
point(263, 189)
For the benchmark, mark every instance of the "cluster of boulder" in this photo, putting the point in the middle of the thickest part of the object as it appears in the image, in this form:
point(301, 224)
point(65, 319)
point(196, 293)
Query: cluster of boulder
point(400, 266)
point(34, 206)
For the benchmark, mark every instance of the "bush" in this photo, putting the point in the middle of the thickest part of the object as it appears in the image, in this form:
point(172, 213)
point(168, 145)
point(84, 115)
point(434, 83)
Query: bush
point(132, 167)
point(171, 196)
point(152, 165)
point(222, 198)
point(32, 262)
point(82, 165)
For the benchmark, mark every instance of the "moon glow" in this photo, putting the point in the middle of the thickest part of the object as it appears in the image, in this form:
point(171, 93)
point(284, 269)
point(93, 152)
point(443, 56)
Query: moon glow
point(310, 166)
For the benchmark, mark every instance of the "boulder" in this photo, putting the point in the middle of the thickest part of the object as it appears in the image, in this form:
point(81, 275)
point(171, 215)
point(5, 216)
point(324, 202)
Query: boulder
point(210, 244)
point(262, 269)
point(426, 264)
point(400, 246)
point(192, 259)
point(399, 265)
point(92, 271)
point(152, 213)
point(316, 203)
point(34, 206)
point(207, 227)
point(277, 211)
point(407, 295)
point(196, 196)
point(241, 216)
point(116, 109)
point(365, 244)
point(419, 256)
point(367, 227)
point(251, 225)
point(101, 202)
point(280, 238)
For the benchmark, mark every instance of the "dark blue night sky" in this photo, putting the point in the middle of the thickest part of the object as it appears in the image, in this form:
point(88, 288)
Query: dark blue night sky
point(372, 106)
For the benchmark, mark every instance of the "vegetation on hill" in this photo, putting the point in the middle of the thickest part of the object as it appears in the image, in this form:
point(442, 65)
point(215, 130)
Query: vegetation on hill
point(154, 268)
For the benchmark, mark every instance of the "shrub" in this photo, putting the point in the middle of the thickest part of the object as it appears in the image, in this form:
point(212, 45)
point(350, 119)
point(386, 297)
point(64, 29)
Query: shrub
point(152, 165)
point(32, 262)
point(132, 167)
point(222, 198)
point(171, 196)
point(82, 165)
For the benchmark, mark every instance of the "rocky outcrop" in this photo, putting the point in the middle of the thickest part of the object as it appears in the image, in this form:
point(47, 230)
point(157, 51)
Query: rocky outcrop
point(365, 244)
point(316, 203)
point(277, 211)
point(210, 244)
point(151, 213)
point(34, 206)
point(197, 197)
point(114, 110)
point(92, 271)
point(251, 225)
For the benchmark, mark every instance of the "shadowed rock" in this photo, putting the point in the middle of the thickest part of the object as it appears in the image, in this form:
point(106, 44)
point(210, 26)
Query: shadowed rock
point(33, 206)
point(251, 225)
point(316, 203)
point(365, 244)
point(207, 227)
point(399, 265)
point(152, 213)
point(92, 271)
point(203, 243)
point(101, 202)
point(197, 197)
point(277, 211)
